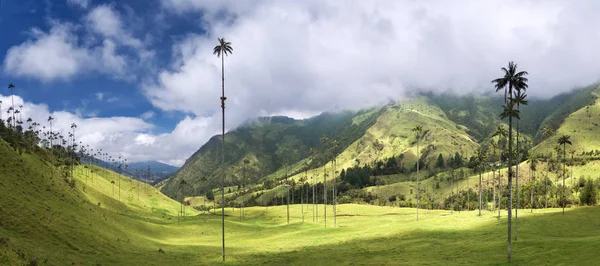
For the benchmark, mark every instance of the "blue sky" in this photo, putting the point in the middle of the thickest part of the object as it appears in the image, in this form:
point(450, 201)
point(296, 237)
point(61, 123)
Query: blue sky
point(140, 80)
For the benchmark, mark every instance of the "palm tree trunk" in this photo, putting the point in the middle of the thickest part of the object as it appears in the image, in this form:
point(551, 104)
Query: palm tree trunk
point(494, 188)
point(418, 194)
point(480, 205)
point(532, 187)
point(517, 181)
point(546, 183)
point(564, 174)
point(510, 174)
point(325, 194)
point(223, 157)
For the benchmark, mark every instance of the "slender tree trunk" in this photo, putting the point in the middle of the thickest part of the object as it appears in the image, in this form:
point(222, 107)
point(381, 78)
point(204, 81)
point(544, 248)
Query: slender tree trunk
point(325, 194)
point(223, 157)
point(494, 188)
point(532, 187)
point(480, 202)
point(546, 183)
point(517, 181)
point(334, 196)
point(418, 191)
point(564, 201)
point(313, 196)
point(510, 175)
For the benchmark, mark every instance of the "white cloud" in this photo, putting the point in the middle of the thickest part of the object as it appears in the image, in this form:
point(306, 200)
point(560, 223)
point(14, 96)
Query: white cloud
point(311, 56)
point(105, 21)
point(99, 96)
point(80, 3)
point(147, 115)
point(129, 137)
point(49, 56)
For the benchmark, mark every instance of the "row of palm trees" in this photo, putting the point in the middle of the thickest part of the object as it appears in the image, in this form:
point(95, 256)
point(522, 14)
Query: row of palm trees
point(77, 152)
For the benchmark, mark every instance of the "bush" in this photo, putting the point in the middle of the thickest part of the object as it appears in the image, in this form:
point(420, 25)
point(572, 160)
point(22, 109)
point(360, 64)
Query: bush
point(589, 194)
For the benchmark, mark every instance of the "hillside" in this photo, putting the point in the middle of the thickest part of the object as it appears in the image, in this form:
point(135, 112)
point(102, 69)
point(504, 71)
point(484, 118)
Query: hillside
point(268, 144)
point(452, 125)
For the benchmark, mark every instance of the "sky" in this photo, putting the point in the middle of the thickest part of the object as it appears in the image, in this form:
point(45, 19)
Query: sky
point(140, 80)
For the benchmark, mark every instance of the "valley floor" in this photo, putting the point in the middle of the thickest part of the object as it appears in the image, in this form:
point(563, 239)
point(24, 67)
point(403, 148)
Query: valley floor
point(45, 220)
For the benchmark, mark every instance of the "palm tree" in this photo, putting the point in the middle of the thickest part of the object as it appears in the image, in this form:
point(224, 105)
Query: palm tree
point(0, 110)
point(547, 132)
point(509, 81)
point(324, 140)
point(564, 140)
point(418, 130)
point(312, 152)
point(11, 87)
point(244, 162)
point(481, 157)
point(113, 187)
point(518, 99)
point(73, 127)
point(221, 50)
point(572, 152)
point(50, 119)
point(501, 133)
point(334, 161)
point(532, 167)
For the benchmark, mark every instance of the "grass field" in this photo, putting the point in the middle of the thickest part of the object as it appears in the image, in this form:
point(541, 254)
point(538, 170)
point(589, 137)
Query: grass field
point(42, 218)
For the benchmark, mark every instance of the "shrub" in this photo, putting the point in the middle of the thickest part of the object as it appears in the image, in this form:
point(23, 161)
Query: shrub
point(589, 194)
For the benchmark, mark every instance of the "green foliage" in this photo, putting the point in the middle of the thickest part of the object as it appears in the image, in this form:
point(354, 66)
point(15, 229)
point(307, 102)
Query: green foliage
point(589, 194)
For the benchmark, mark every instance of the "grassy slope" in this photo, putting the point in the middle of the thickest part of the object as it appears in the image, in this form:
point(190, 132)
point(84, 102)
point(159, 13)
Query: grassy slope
point(393, 128)
point(44, 218)
point(584, 134)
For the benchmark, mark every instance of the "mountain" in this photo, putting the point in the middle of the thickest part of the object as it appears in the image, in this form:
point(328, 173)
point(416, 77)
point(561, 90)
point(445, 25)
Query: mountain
point(454, 125)
point(139, 170)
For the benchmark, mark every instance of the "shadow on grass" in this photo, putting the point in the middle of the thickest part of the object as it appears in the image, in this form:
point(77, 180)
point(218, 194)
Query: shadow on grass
point(544, 239)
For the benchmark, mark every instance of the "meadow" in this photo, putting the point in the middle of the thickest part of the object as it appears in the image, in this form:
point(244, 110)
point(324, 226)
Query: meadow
point(47, 221)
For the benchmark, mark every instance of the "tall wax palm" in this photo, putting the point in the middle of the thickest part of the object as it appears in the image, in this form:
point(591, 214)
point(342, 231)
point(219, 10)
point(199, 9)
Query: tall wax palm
point(481, 160)
point(221, 50)
point(11, 87)
point(511, 80)
point(312, 152)
point(547, 132)
point(418, 130)
point(501, 133)
point(572, 152)
point(0, 110)
point(324, 141)
point(335, 145)
point(532, 168)
point(50, 119)
point(564, 140)
point(73, 127)
point(518, 99)
point(244, 163)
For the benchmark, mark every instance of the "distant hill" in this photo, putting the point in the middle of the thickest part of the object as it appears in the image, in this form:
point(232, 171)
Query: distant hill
point(453, 124)
point(138, 170)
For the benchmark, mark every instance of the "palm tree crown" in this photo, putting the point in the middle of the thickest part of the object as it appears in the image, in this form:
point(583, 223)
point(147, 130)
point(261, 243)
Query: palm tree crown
point(224, 47)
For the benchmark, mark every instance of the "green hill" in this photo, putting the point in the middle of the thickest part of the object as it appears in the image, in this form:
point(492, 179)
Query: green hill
point(453, 125)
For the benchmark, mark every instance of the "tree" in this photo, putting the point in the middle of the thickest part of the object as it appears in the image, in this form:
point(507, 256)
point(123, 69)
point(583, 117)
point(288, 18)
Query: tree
point(221, 50)
point(481, 160)
point(335, 145)
point(532, 168)
point(440, 162)
point(73, 127)
point(547, 132)
point(501, 133)
point(589, 194)
point(244, 162)
point(564, 140)
point(324, 141)
point(509, 81)
point(418, 130)
point(11, 87)
point(312, 152)
point(518, 99)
